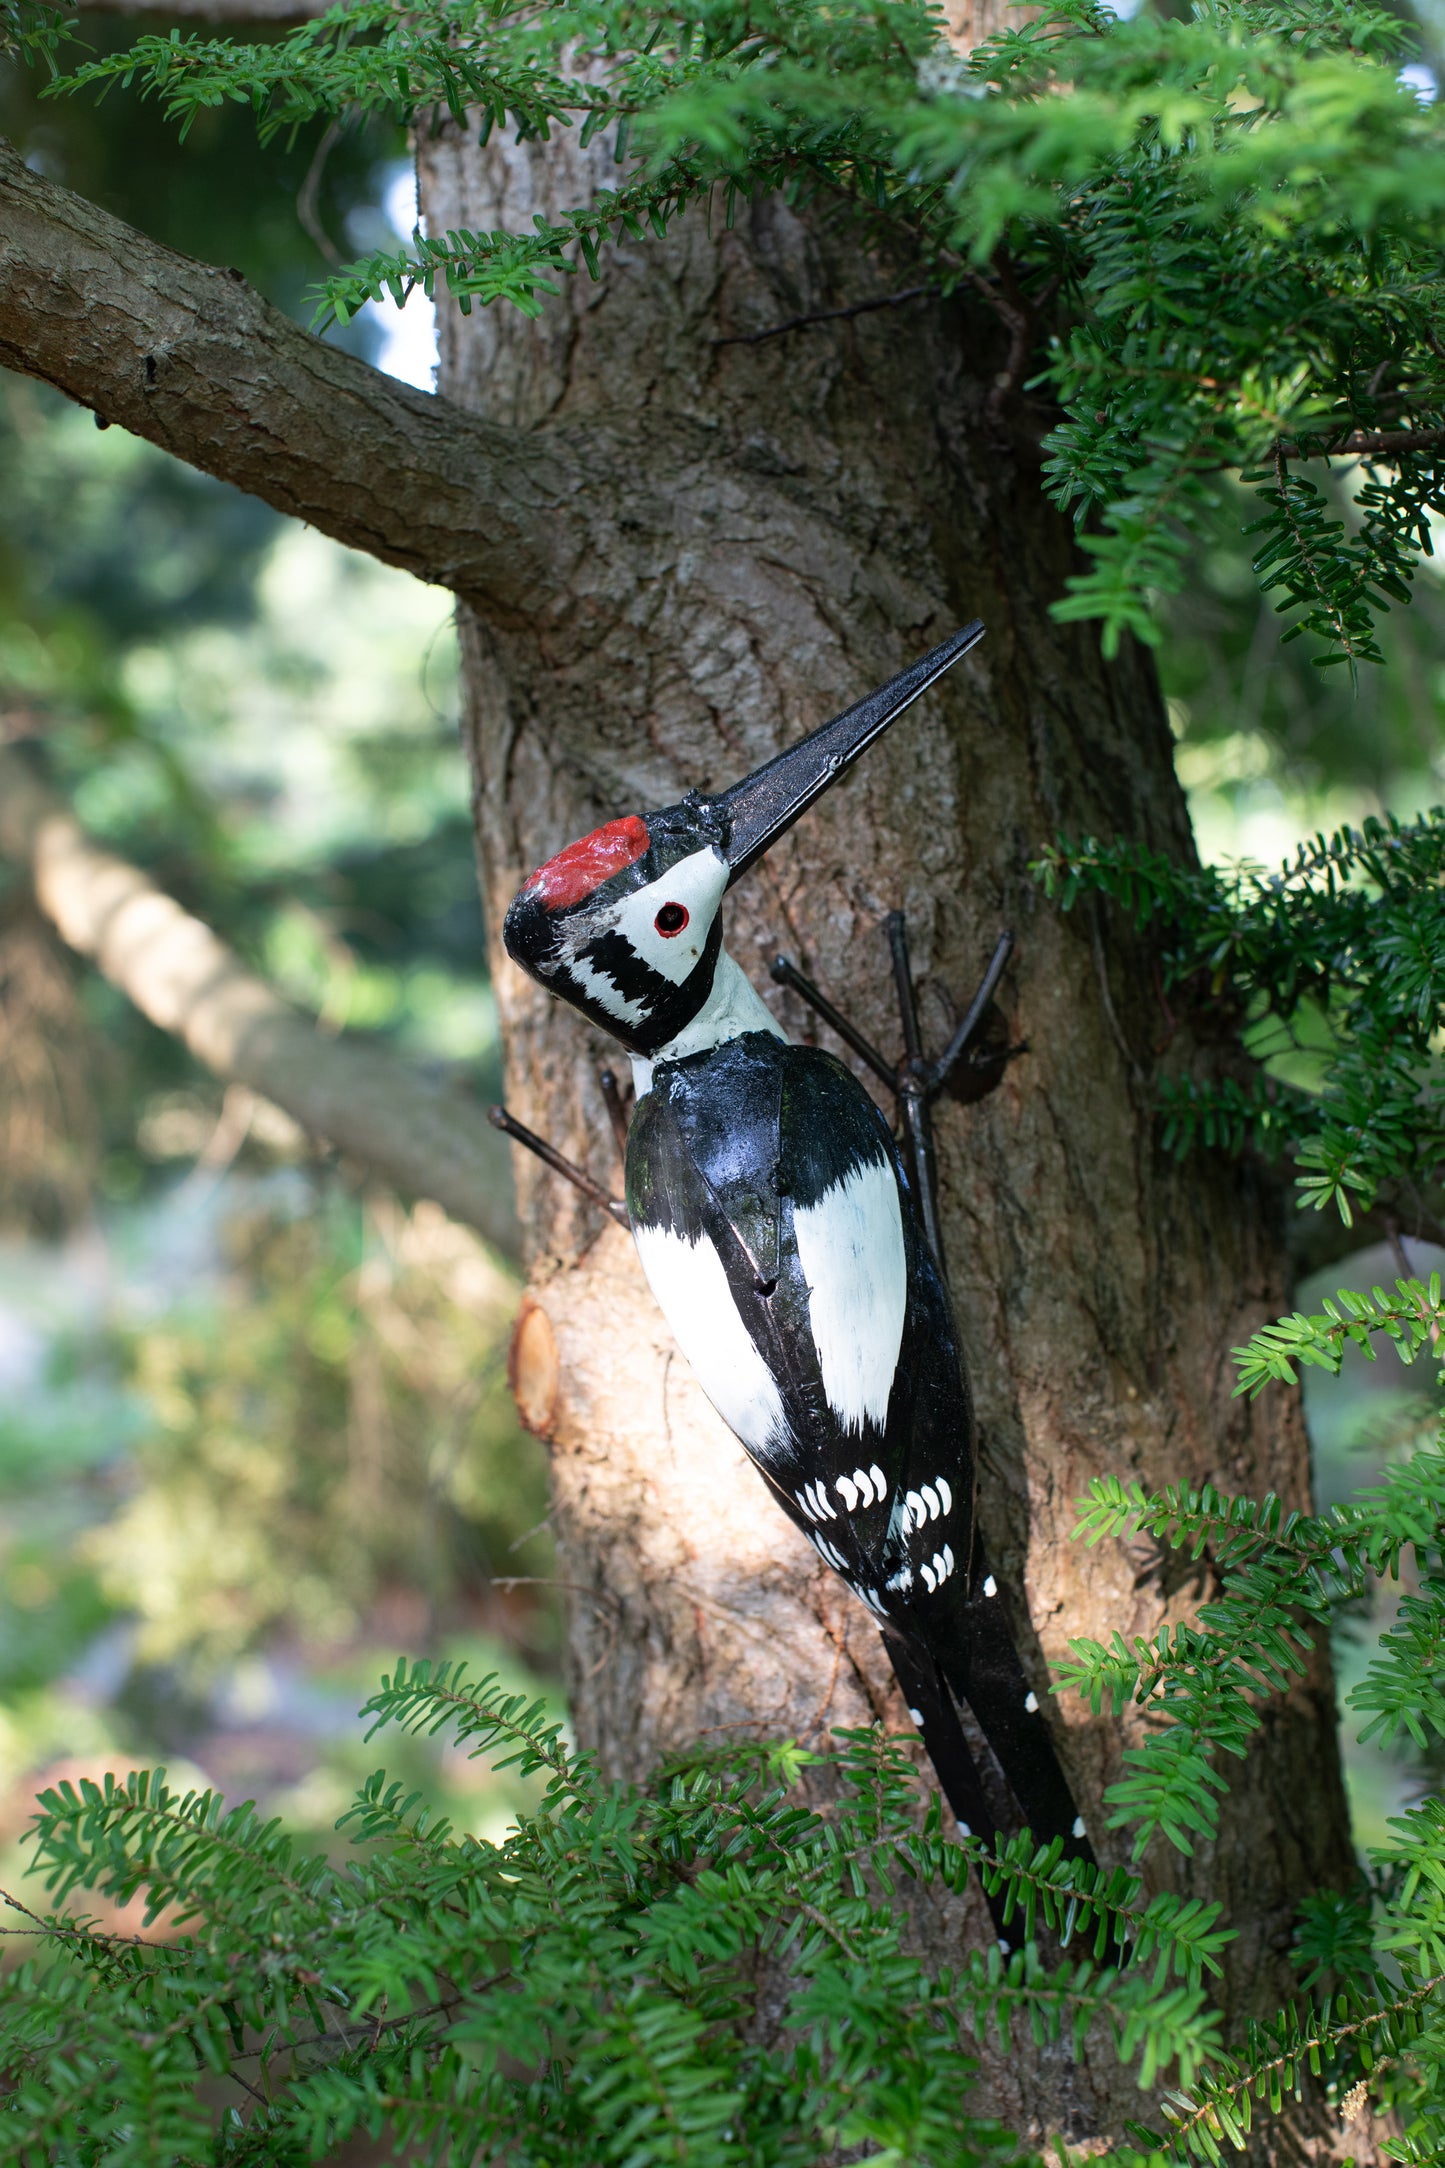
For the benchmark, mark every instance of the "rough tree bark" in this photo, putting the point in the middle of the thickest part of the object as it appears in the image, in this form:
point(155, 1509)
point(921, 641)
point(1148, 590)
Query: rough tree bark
point(807, 515)
point(676, 555)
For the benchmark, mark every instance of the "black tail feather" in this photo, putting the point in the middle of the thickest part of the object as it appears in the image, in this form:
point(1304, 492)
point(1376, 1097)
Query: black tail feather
point(931, 1707)
point(983, 1669)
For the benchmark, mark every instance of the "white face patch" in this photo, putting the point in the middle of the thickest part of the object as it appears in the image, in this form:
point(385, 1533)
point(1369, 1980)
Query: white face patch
point(850, 1246)
point(694, 888)
point(692, 1293)
point(607, 995)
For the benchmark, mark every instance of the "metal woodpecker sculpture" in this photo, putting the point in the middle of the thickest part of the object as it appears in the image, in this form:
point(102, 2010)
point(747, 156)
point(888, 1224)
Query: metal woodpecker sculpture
point(792, 1249)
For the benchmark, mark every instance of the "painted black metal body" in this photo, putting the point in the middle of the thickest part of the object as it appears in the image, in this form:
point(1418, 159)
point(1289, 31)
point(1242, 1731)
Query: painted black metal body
point(793, 1248)
point(729, 1147)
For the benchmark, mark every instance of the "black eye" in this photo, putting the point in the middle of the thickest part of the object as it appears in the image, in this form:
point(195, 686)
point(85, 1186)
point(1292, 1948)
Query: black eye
point(670, 919)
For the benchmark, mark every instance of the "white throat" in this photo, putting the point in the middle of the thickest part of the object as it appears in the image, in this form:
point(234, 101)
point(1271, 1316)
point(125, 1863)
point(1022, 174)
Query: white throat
point(733, 1007)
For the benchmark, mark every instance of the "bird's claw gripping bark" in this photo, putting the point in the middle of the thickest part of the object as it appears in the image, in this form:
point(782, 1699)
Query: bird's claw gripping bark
point(914, 1080)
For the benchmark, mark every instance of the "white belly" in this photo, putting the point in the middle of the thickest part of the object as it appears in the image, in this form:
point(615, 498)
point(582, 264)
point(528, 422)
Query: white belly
point(692, 1292)
point(850, 1250)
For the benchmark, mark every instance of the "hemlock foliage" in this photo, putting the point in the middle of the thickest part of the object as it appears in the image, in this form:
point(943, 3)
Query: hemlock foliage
point(1211, 245)
point(1336, 963)
point(583, 1991)
point(587, 1988)
point(1374, 1957)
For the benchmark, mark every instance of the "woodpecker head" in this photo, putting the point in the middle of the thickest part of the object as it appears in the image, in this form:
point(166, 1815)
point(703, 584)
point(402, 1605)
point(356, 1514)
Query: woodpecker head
point(626, 924)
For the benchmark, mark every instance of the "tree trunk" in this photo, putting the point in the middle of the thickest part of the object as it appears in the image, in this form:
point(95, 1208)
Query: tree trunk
point(794, 521)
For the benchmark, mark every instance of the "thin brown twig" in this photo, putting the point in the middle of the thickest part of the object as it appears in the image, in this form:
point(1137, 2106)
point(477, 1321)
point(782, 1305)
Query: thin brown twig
point(1397, 1248)
point(599, 1596)
point(1170, 1019)
point(1363, 444)
point(308, 196)
point(821, 1919)
point(369, 2029)
point(1019, 317)
point(826, 316)
point(76, 1933)
point(1324, 2036)
point(1101, 972)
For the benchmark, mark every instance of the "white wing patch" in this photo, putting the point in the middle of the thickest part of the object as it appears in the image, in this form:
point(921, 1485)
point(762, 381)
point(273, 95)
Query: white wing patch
point(926, 1505)
point(814, 1501)
point(940, 1566)
point(850, 1246)
point(692, 1292)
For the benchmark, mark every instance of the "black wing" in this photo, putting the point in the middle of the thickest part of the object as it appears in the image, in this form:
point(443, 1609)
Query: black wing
point(774, 1220)
point(772, 1216)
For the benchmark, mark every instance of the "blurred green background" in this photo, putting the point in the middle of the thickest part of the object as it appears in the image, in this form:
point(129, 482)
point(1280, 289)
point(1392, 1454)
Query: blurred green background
point(255, 1434)
point(255, 1437)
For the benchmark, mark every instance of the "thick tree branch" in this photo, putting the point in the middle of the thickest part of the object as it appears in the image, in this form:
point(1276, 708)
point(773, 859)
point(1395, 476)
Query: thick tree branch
point(193, 358)
point(417, 1131)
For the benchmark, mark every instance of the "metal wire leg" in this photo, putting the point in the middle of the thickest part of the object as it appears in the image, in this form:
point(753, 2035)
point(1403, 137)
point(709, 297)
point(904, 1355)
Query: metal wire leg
point(939, 1071)
point(559, 1163)
point(915, 1081)
point(617, 1112)
point(913, 1090)
point(786, 973)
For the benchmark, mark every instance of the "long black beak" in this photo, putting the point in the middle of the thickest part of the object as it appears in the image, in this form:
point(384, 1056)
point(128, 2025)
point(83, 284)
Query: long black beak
point(766, 803)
